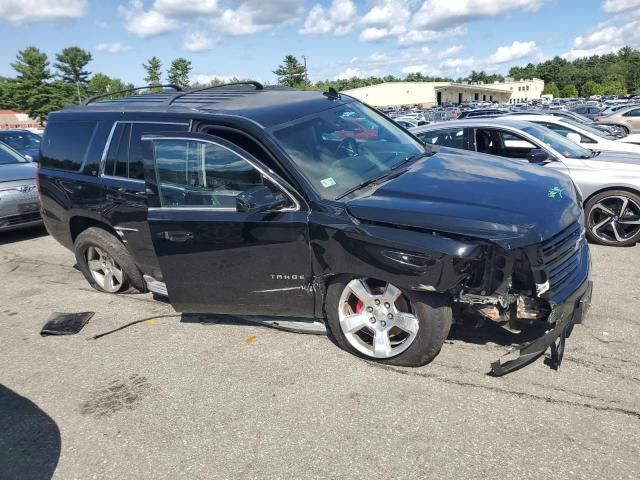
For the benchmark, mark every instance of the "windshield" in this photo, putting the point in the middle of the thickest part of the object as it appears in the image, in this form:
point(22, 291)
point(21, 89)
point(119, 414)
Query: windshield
point(577, 117)
point(341, 148)
point(20, 140)
point(9, 156)
point(588, 128)
point(559, 143)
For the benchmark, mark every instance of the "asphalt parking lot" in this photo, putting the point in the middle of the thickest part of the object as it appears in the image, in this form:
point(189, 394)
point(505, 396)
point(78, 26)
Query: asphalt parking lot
point(174, 398)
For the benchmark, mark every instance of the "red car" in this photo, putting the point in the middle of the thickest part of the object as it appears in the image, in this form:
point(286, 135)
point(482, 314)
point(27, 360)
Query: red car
point(358, 128)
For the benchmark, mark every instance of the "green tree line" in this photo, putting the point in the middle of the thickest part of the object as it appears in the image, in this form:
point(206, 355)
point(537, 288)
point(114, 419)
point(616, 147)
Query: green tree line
point(610, 74)
point(39, 87)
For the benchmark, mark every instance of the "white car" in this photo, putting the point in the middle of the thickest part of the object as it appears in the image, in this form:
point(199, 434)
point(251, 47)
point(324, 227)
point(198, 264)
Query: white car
point(581, 134)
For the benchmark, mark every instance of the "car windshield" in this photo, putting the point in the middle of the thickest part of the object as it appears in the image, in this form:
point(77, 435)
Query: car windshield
point(9, 156)
point(578, 118)
point(343, 147)
point(588, 128)
point(559, 143)
point(20, 140)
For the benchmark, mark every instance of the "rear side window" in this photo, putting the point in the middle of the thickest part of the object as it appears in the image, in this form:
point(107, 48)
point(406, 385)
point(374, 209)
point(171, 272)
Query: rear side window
point(65, 144)
point(633, 113)
point(124, 157)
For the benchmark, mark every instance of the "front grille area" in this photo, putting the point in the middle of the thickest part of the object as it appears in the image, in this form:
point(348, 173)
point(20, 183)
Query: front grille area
point(15, 220)
point(561, 256)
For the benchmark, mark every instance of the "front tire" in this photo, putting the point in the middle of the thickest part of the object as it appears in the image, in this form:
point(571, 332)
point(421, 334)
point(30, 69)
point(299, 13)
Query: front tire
point(378, 321)
point(613, 218)
point(105, 262)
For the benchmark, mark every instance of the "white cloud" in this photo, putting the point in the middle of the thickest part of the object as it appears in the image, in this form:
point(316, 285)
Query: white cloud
point(30, 11)
point(197, 42)
point(424, 69)
point(387, 13)
point(515, 51)
point(607, 37)
point(206, 78)
point(450, 51)
point(145, 24)
point(438, 14)
point(338, 19)
point(180, 8)
point(115, 47)
point(415, 37)
point(617, 6)
point(350, 73)
point(254, 16)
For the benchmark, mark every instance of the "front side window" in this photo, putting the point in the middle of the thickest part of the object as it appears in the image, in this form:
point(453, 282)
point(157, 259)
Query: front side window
point(9, 157)
point(193, 173)
point(566, 147)
point(633, 113)
point(334, 162)
point(564, 131)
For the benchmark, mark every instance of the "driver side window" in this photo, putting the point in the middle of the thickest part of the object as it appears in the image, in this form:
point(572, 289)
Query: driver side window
point(201, 174)
point(502, 143)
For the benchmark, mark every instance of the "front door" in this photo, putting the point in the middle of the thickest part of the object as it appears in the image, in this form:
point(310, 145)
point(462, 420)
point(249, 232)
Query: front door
point(213, 258)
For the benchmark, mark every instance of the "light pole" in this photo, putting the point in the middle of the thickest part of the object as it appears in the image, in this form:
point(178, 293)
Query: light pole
point(306, 74)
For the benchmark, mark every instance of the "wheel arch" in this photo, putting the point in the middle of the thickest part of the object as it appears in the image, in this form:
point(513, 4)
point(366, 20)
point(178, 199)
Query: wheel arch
point(79, 223)
point(624, 188)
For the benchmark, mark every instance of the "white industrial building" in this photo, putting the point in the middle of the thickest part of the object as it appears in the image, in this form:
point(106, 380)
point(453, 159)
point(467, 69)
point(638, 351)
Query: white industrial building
point(428, 94)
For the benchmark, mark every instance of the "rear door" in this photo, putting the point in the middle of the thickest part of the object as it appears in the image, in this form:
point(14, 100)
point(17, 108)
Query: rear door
point(122, 178)
point(213, 258)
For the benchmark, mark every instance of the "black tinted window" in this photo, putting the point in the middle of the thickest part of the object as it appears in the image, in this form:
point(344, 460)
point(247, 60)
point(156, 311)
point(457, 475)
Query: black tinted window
point(65, 143)
point(136, 169)
point(124, 158)
point(451, 137)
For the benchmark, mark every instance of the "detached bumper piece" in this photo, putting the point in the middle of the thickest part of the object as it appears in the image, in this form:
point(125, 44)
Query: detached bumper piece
point(571, 312)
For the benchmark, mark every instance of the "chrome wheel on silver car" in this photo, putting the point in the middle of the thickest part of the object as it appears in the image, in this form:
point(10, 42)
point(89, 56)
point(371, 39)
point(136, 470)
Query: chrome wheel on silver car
point(614, 218)
point(105, 270)
point(376, 318)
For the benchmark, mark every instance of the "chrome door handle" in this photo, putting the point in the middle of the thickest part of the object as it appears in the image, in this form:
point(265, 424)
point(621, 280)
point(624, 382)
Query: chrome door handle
point(178, 237)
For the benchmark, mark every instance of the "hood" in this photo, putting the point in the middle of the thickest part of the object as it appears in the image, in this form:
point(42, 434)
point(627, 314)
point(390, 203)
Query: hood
point(465, 193)
point(607, 159)
point(18, 171)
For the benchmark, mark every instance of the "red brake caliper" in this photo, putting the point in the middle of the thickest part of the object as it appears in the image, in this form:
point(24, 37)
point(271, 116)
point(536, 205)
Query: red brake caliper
point(359, 306)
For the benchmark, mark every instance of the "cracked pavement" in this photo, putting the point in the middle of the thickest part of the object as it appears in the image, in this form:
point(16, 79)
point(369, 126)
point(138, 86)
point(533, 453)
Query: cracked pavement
point(172, 397)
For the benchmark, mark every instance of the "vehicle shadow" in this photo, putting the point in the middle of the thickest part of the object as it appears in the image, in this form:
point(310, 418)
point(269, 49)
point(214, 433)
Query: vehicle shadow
point(469, 331)
point(29, 439)
point(20, 235)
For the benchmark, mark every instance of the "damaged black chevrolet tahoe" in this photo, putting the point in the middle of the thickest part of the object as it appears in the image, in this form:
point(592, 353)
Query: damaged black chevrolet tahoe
point(257, 201)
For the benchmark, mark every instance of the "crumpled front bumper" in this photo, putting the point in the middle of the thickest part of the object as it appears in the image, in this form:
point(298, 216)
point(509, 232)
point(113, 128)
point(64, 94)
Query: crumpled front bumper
point(568, 313)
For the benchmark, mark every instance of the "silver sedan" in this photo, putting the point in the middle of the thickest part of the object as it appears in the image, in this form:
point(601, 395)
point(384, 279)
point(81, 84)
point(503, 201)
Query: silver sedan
point(19, 204)
point(609, 181)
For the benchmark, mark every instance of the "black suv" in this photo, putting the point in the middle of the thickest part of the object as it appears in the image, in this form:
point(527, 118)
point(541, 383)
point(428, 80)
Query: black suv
point(260, 201)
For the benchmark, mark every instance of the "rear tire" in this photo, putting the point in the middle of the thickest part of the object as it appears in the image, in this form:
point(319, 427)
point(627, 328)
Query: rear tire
point(610, 218)
point(112, 268)
point(421, 319)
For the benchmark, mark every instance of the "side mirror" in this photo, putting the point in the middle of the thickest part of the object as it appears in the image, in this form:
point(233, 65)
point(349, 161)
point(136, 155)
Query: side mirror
point(537, 155)
point(259, 199)
point(574, 137)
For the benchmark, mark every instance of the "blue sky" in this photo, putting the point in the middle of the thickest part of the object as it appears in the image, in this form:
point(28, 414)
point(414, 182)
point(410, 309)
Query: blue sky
point(341, 38)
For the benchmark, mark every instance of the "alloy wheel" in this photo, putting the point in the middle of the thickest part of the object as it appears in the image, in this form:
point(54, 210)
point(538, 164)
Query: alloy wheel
point(105, 270)
point(615, 219)
point(376, 318)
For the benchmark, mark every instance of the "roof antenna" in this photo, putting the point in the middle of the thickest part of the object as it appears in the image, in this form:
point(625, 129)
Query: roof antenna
point(332, 94)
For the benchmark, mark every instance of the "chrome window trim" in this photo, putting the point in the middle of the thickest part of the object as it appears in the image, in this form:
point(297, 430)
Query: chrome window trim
point(296, 208)
point(107, 145)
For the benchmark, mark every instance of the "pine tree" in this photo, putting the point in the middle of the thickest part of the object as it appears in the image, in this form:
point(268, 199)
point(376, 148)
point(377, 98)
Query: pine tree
point(31, 91)
point(71, 63)
point(291, 73)
point(178, 74)
point(153, 67)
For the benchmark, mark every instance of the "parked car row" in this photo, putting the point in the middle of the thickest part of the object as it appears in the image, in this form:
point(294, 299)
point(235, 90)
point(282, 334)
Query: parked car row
point(608, 179)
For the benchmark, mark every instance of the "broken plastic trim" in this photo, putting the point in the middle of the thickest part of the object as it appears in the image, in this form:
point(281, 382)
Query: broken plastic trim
point(554, 338)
